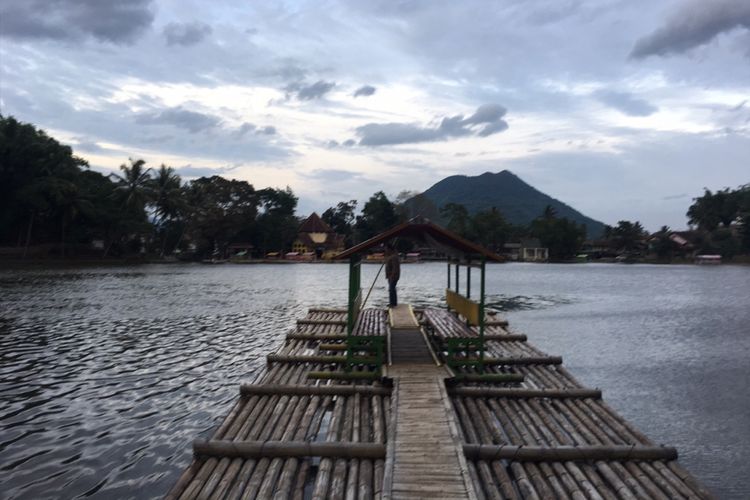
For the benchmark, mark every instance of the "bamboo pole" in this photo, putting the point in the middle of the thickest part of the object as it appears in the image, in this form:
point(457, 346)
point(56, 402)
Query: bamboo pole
point(565, 453)
point(488, 377)
point(292, 358)
point(315, 336)
point(501, 392)
point(321, 322)
point(318, 390)
point(527, 360)
point(505, 337)
point(351, 376)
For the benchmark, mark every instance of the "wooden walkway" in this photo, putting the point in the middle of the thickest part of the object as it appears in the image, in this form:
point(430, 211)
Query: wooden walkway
point(427, 459)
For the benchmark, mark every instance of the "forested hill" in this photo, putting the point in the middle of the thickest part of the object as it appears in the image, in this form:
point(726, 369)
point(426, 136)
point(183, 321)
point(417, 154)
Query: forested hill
point(518, 202)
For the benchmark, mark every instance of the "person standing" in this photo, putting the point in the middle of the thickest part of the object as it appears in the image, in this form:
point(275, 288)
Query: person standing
point(392, 273)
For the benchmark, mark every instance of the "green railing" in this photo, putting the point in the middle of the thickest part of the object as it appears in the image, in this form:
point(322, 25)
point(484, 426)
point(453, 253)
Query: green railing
point(474, 314)
point(365, 351)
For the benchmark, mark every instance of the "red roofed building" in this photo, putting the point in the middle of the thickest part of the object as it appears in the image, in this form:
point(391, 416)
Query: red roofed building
point(317, 237)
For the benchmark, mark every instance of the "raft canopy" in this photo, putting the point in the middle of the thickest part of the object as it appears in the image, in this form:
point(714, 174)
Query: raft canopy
point(459, 251)
point(431, 235)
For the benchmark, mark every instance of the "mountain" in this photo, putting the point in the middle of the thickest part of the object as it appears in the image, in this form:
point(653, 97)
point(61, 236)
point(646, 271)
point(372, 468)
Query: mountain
point(519, 202)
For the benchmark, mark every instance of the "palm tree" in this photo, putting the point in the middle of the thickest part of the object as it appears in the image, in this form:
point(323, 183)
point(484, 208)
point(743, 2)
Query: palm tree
point(135, 184)
point(549, 213)
point(167, 198)
point(134, 189)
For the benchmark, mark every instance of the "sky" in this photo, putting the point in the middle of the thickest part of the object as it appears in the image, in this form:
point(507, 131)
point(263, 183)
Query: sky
point(623, 109)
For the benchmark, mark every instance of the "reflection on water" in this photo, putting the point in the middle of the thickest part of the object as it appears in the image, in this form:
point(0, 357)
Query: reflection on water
point(107, 374)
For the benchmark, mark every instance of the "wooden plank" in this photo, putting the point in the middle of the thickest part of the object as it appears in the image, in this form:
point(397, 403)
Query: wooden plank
point(425, 456)
point(402, 318)
point(463, 306)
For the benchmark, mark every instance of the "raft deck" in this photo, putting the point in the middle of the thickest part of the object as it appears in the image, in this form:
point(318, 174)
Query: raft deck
point(424, 431)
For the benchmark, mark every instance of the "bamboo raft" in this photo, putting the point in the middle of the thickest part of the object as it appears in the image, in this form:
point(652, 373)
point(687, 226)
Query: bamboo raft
point(533, 431)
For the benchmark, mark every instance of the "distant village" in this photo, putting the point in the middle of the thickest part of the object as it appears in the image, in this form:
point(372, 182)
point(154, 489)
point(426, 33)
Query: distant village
point(316, 241)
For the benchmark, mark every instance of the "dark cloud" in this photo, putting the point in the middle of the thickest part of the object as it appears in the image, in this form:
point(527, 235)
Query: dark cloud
point(87, 146)
point(117, 22)
point(365, 91)
point(696, 23)
point(487, 120)
point(305, 92)
point(192, 121)
point(626, 103)
point(247, 128)
point(191, 171)
point(186, 33)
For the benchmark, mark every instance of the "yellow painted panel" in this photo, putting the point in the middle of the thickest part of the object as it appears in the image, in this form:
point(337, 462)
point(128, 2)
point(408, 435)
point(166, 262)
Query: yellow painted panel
point(465, 307)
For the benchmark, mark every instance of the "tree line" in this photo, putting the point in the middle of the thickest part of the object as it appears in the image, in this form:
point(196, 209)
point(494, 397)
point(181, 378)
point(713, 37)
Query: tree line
point(51, 199)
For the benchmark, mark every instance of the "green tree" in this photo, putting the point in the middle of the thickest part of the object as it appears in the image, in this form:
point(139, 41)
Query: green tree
point(168, 204)
point(135, 187)
point(221, 211)
point(490, 229)
point(378, 214)
point(35, 173)
point(277, 224)
point(562, 237)
point(663, 244)
point(341, 219)
point(628, 236)
point(458, 220)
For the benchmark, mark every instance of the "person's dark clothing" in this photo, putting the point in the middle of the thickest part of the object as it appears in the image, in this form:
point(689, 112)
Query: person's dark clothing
point(392, 274)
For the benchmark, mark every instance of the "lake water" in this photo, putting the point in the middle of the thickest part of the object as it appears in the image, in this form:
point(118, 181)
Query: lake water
point(107, 374)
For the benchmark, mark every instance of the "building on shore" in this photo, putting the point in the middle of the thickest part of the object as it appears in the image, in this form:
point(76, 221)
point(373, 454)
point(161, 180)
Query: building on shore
point(316, 237)
point(527, 250)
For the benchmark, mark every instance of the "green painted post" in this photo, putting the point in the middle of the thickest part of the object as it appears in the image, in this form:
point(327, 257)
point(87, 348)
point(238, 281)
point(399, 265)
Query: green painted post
point(481, 315)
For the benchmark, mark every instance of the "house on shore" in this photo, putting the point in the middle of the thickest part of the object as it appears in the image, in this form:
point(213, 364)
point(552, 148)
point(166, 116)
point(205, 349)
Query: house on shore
point(527, 250)
point(316, 238)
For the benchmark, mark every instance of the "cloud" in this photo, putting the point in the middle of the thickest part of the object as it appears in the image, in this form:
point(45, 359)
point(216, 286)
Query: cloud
point(626, 103)
point(191, 171)
point(329, 175)
point(186, 33)
point(247, 128)
point(116, 22)
point(487, 120)
point(365, 91)
point(309, 92)
point(192, 121)
point(696, 23)
point(88, 146)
